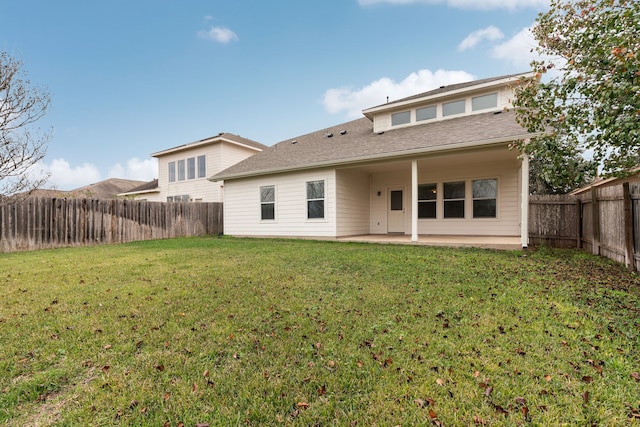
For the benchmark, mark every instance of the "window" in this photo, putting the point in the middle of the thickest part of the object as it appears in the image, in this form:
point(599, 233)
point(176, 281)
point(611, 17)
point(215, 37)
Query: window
point(172, 171)
point(427, 195)
point(453, 193)
point(178, 199)
point(426, 113)
point(268, 202)
point(400, 118)
point(191, 168)
point(451, 108)
point(315, 199)
point(485, 192)
point(180, 170)
point(202, 167)
point(483, 102)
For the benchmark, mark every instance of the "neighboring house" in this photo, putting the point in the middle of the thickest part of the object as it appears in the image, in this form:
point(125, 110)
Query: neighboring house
point(183, 170)
point(106, 189)
point(437, 163)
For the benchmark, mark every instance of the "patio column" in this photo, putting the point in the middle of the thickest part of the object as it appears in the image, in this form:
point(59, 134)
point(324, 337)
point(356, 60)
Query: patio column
point(524, 221)
point(414, 200)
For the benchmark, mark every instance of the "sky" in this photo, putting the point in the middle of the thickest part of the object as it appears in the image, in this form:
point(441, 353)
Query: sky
point(128, 78)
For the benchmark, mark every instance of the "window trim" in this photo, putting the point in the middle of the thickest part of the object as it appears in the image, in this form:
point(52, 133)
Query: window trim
point(401, 116)
point(201, 162)
point(172, 171)
point(473, 199)
point(430, 201)
point(323, 199)
point(263, 203)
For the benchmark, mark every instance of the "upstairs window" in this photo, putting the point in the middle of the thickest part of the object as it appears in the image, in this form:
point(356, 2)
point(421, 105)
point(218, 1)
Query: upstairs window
point(426, 113)
point(268, 202)
point(181, 171)
point(172, 171)
point(483, 102)
point(455, 107)
point(202, 167)
point(315, 199)
point(400, 118)
point(453, 193)
point(427, 198)
point(191, 168)
point(485, 192)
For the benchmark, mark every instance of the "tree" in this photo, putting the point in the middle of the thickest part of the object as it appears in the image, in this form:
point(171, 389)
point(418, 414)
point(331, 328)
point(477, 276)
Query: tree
point(22, 144)
point(586, 95)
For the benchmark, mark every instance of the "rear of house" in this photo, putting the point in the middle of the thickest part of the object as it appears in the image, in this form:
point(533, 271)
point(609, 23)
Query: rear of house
point(437, 163)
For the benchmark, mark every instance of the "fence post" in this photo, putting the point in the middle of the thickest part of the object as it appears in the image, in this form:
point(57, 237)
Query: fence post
point(578, 223)
point(595, 216)
point(628, 228)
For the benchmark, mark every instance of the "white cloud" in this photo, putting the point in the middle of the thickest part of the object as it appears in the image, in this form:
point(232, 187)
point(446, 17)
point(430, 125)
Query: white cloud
point(467, 4)
point(218, 34)
point(353, 101)
point(490, 33)
point(140, 170)
point(518, 51)
point(67, 177)
point(64, 176)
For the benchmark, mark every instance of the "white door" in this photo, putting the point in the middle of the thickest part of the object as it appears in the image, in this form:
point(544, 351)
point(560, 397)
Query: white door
point(396, 214)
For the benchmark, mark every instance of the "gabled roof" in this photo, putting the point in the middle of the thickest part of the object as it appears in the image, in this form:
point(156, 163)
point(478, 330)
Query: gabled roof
point(355, 142)
point(221, 137)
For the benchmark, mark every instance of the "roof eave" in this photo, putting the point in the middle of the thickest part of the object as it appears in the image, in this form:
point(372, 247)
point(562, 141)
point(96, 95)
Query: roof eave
point(207, 141)
point(134, 193)
point(376, 157)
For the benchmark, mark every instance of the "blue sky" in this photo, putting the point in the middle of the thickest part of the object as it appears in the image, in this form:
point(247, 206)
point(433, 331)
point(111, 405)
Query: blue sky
point(131, 77)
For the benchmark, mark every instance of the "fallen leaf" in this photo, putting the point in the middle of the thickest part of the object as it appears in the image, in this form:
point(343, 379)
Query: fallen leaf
point(322, 390)
point(206, 373)
point(478, 420)
point(521, 401)
point(194, 388)
point(303, 405)
point(547, 378)
point(587, 379)
point(440, 381)
point(107, 347)
point(635, 376)
point(166, 396)
point(106, 368)
point(585, 396)
point(160, 368)
point(488, 391)
point(432, 414)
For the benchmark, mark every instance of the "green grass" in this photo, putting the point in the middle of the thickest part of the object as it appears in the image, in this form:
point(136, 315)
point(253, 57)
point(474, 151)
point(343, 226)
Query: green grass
point(225, 331)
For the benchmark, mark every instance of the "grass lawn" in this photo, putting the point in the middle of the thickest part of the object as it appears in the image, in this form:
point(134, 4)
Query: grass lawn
point(223, 331)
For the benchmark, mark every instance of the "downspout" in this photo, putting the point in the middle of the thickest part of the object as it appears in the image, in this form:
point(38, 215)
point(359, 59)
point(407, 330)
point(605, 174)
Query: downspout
point(414, 200)
point(524, 220)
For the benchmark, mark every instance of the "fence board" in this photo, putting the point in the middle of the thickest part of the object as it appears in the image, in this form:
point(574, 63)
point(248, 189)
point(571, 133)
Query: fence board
point(42, 223)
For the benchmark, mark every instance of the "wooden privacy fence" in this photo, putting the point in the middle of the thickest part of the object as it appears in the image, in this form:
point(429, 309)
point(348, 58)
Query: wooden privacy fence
point(604, 221)
point(41, 223)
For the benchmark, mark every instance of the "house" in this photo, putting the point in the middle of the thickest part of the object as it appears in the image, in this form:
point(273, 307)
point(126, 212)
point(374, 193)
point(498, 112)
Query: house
point(437, 163)
point(106, 189)
point(183, 170)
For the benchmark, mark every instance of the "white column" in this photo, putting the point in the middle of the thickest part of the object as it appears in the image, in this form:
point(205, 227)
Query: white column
point(414, 200)
point(524, 221)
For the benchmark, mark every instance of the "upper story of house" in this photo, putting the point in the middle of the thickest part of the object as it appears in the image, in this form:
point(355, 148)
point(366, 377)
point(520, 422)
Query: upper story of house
point(183, 170)
point(446, 102)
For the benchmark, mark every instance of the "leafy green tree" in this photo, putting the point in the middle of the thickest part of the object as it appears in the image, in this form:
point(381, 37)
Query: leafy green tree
point(586, 95)
point(22, 144)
